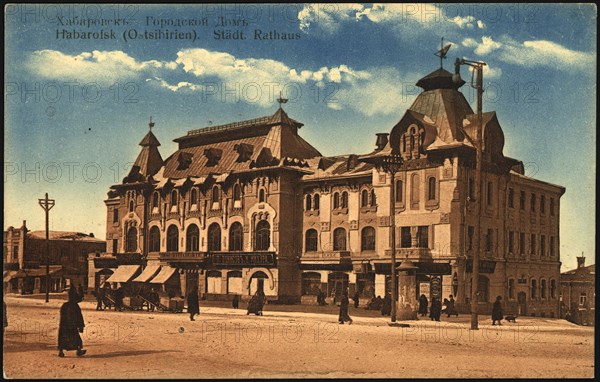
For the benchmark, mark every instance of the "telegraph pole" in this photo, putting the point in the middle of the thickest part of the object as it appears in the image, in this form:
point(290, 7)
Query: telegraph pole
point(47, 205)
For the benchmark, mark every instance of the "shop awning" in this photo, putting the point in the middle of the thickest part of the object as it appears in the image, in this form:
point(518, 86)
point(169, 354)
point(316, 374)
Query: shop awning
point(41, 271)
point(163, 276)
point(9, 275)
point(147, 274)
point(123, 274)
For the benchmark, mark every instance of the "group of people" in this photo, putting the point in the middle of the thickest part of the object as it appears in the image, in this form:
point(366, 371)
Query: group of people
point(382, 304)
point(437, 307)
point(104, 294)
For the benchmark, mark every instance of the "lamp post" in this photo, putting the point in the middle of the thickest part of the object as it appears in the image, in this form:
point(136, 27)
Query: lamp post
point(47, 205)
point(477, 142)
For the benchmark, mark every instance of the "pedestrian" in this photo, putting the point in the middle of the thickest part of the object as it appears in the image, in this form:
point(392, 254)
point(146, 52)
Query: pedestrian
point(423, 303)
point(81, 292)
point(99, 298)
point(344, 309)
point(119, 295)
point(256, 303)
point(497, 314)
point(154, 299)
point(386, 305)
point(106, 293)
point(436, 309)
point(451, 307)
point(321, 298)
point(71, 324)
point(236, 301)
point(356, 299)
point(193, 303)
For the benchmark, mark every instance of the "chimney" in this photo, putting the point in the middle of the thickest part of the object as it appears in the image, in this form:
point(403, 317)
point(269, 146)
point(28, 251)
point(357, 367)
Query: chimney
point(91, 234)
point(382, 140)
point(580, 261)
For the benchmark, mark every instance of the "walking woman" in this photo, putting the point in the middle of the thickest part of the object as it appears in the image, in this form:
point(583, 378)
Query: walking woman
point(497, 314)
point(344, 310)
point(423, 305)
point(71, 324)
point(193, 303)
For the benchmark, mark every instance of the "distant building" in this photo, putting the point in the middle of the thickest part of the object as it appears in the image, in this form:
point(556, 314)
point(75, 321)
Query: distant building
point(252, 206)
point(24, 260)
point(578, 293)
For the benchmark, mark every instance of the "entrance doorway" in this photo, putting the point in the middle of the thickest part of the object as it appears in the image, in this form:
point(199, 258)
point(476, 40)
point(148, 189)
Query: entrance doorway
point(257, 282)
point(522, 300)
point(337, 284)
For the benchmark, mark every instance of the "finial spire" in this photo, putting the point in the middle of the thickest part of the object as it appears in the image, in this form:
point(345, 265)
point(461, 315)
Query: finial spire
point(281, 100)
point(151, 124)
point(442, 52)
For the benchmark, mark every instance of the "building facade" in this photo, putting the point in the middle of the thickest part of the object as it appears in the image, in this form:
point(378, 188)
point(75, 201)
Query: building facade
point(578, 293)
point(251, 205)
point(24, 261)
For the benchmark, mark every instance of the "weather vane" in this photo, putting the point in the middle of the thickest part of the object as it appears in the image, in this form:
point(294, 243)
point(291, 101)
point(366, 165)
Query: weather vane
point(442, 53)
point(151, 124)
point(281, 100)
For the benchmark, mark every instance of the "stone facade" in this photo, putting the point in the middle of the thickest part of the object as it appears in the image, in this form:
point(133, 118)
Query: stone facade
point(578, 293)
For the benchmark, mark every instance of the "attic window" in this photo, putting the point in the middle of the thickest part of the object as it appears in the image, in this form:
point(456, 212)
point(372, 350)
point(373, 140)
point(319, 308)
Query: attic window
point(213, 155)
point(184, 160)
point(244, 151)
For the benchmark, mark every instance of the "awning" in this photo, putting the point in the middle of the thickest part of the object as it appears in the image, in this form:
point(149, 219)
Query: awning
point(123, 274)
point(41, 271)
point(147, 274)
point(9, 275)
point(163, 276)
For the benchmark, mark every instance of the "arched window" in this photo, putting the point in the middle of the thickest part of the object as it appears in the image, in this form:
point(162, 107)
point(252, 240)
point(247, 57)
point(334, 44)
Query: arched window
point(364, 198)
point(339, 239)
point(431, 193)
point(155, 198)
point(214, 237)
point(308, 206)
point(236, 237)
point(533, 288)
point(367, 239)
point(131, 242)
point(414, 192)
point(373, 198)
point(511, 288)
point(154, 239)
point(237, 193)
point(262, 239)
point(194, 196)
point(398, 191)
point(336, 200)
point(552, 288)
point(192, 238)
point(131, 206)
point(316, 201)
point(172, 238)
point(403, 143)
point(261, 195)
point(543, 288)
point(174, 198)
point(311, 240)
point(344, 199)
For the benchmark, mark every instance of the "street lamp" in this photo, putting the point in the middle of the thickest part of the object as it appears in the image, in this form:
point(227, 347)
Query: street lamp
point(47, 205)
point(477, 142)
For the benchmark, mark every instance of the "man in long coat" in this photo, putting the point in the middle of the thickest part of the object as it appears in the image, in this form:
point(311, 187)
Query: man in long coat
point(71, 324)
point(193, 304)
point(344, 309)
point(497, 314)
point(423, 302)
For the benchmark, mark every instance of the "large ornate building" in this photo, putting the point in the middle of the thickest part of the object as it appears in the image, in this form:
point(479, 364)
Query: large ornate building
point(251, 205)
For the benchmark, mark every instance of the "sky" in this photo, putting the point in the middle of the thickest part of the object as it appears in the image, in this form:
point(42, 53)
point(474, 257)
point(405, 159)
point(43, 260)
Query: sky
point(82, 81)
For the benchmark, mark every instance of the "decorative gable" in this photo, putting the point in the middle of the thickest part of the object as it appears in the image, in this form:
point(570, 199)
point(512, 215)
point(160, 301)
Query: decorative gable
point(213, 155)
point(244, 151)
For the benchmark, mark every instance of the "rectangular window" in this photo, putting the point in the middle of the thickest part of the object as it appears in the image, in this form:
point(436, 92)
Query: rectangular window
point(115, 247)
point(471, 189)
point(470, 234)
point(551, 245)
point(511, 198)
point(423, 236)
point(543, 204)
point(532, 202)
point(489, 193)
point(489, 240)
point(405, 239)
point(551, 206)
point(115, 215)
point(522, 243)
point(511, 241)
point(522, 201)
point(543, 245)
point(532, 244)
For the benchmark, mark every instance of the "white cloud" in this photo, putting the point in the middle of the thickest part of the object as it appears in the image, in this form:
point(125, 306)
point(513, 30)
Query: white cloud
point(480, 24)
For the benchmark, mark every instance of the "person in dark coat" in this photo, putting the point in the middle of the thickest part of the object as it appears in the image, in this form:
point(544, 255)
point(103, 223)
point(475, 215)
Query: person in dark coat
point(423, 303)
point(497, 314)
point(356, 299)
point(321, 298)
point(71, 324)
point(257, 303)
point(106, 292)
point(386, 305)
point(236, 301)
point(451, 307)
point(436, 309)
point(81, 292)
point(99, 298)
point(193, 304)
point(154, 298)
point(344, 310)
point(119, 295)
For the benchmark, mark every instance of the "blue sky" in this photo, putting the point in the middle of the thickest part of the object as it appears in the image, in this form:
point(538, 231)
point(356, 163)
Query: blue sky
point(76, 109)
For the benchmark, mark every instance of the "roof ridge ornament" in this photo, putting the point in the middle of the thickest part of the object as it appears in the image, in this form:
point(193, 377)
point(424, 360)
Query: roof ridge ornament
point(150, 124)
point(442, 52)
point(281, 100)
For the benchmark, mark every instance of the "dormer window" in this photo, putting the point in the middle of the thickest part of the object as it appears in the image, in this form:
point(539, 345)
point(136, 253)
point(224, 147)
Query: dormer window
point(213, 155)
point(184, 160)
point(244, 151)
point(216, 198)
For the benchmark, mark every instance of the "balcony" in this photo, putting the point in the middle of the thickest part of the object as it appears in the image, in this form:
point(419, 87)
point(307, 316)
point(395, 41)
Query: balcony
point(326, 255)
point(416, 254)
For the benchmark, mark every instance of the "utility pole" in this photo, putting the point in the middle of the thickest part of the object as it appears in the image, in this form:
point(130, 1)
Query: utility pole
point(47, 205)
point(478, 143)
